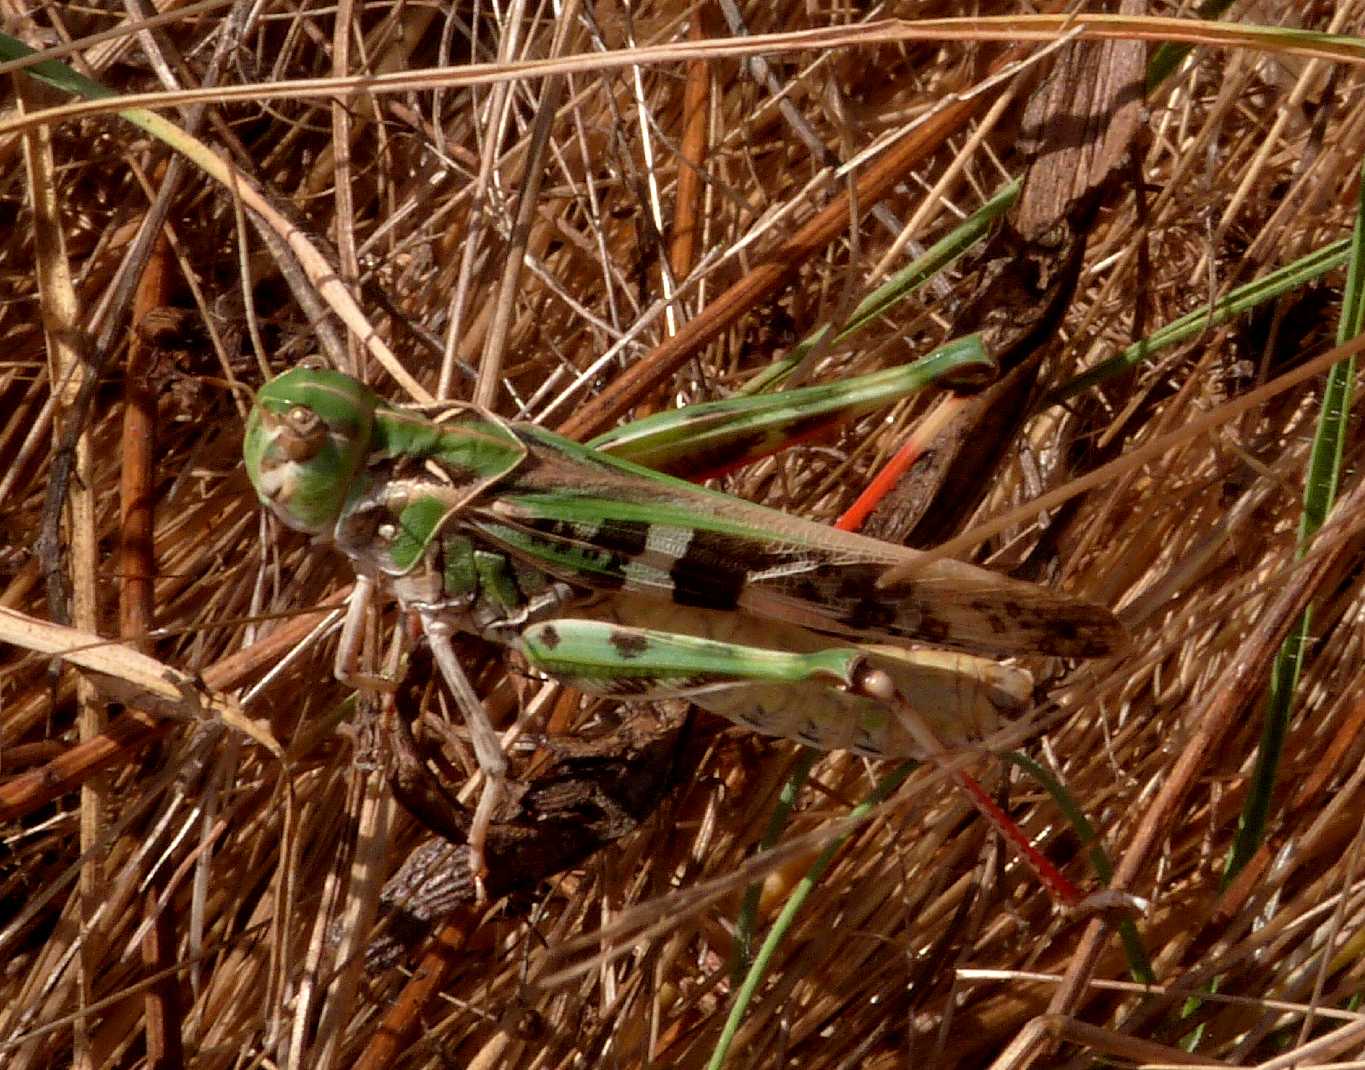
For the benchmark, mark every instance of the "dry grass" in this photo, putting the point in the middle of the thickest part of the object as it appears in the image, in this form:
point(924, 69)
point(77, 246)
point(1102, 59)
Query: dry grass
point(235, 859)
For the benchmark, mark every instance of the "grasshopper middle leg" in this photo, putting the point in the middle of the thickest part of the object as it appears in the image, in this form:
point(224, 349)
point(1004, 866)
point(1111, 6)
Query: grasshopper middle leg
point(487, 746)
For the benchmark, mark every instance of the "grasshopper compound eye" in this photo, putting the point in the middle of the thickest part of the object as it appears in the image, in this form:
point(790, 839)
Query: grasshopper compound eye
point(302, 433)
point(303, 419)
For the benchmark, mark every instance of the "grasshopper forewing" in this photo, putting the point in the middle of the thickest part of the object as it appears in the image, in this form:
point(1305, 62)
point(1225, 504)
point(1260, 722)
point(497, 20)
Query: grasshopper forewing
point(631, 583)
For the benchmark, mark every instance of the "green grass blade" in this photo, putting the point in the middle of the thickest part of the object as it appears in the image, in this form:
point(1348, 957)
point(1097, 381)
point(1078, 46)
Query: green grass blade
point(60, 76)
point(746, 923)
point(1320, 489)
point(1242, 299)
point(745, 994)
point(1139, 962)
point(52, 72)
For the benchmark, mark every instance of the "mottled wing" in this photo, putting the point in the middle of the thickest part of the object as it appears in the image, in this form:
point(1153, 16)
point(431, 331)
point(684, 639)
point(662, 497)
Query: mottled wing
point(610, 525)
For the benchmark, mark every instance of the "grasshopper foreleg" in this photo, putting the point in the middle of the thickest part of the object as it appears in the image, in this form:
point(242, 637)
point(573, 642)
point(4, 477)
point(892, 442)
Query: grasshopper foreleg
point(352, 637)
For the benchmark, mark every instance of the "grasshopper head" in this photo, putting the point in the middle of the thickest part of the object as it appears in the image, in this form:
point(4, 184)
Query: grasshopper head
point(306, 439)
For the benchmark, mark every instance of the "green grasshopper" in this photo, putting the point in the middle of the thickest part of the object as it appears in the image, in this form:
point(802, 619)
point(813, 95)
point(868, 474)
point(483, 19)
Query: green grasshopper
point(627, 583)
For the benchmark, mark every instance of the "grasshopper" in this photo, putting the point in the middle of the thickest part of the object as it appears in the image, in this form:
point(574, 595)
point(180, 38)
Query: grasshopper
point(627, 583)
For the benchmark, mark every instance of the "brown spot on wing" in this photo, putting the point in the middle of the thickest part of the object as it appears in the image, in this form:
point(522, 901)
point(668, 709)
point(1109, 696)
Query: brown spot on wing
point(629, 645)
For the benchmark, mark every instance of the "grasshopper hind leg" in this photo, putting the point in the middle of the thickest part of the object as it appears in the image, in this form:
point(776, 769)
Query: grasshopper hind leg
point(487, 746)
